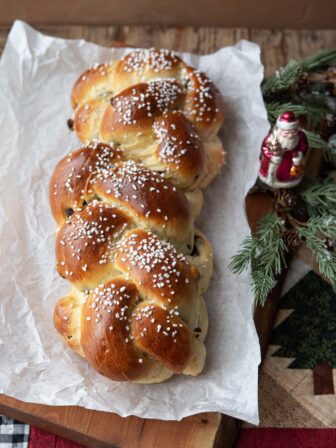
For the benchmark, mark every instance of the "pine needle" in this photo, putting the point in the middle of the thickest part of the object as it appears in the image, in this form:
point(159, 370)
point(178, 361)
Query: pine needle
point(321, 198)
point(242, 259)
point(264, 251)
point(283, 78)
point(274, 109)
point(262, 285)
point(320, 60)
point(316, 107)
point(316, 142)
point(313, 112)
point(318, 228)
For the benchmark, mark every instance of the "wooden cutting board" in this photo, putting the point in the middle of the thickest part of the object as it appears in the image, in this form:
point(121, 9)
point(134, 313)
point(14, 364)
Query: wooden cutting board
point(208, 430)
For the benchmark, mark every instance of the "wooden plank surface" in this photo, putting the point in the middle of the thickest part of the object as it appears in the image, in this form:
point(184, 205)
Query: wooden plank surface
point(101, 429)
point(260, 13)
point(277, 46)
point(104, 429)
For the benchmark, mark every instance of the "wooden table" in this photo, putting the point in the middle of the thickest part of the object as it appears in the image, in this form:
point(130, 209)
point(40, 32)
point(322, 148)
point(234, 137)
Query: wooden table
point(207, 430)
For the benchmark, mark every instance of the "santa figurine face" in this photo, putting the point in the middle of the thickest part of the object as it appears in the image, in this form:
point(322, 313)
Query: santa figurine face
point(288, 134)
point(287, 138)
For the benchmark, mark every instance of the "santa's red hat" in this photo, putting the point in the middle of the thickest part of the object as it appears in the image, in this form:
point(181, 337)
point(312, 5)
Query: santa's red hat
point(287, 121)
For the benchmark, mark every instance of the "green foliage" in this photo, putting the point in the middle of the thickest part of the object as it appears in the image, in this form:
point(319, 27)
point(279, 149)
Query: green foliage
point(313, 112)
point(316, 108)
point(318, 229)
point(321, 198)
point(315, 141)
point(284, 78)
point(308, 335)
point(242, 259)
point(319, 60)
point(282, 92)
point(274, 109)
point(290, 89)
point(264, 251)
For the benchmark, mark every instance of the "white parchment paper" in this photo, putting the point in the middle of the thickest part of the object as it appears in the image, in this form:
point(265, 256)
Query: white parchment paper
point(36, 76)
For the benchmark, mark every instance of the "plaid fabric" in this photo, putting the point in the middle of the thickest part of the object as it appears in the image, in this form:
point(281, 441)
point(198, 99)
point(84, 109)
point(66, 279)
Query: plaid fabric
point(13, 434)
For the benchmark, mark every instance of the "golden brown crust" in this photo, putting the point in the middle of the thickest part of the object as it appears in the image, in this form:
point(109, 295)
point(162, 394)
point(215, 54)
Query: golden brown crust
point(161, 333)
point(105, 331)
point(159, 271)
point(134, 109)
point(85, 241)
point(142, 65)
point(66, 320)
point(68, 188)
point(97, 171)
point(87, 118)
point(180, 148)
point(94, 82)
point(152, 201)
point(147, 86)
point(124, 228)
point(203, 104)
point(134, 327)
point(124, 338)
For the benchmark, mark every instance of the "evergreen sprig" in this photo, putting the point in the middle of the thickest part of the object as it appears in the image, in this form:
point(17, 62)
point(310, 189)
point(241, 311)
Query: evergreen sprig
point(318, 229)
point(321, 198)
point(316, 142)
point(292, 89)
point(283, 78)
point(287, 76)
point(275, 109)
point(264, 251)
point(313, 112)
point(320, 60)
point(316, 106)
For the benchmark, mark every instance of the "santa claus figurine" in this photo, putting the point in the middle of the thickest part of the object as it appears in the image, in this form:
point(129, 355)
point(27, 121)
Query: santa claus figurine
point(282, 153)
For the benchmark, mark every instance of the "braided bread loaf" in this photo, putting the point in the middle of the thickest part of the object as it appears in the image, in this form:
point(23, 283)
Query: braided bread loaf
point(163, 112)
point(125, 209)
point(136, 302)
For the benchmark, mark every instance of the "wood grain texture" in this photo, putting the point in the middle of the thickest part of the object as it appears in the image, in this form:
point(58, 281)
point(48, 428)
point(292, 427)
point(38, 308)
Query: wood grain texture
point(277, 46)
point(107, 430)
point(101, 429)
point(260, 13)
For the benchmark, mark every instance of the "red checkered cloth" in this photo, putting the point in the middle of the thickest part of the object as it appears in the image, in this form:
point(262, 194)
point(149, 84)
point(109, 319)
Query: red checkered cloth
point(13, 433)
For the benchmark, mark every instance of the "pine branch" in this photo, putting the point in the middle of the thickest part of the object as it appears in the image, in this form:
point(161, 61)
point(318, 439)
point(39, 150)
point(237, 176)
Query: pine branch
point(283, 78)
point(313, 112)
point(274, 109)
point(315, 98)
point(262, 285)
point(322, 225)
point(241, 260)
point(319, 60)
point(321, 198)
point(264, 251)
point(318, 228)
point(316, 142)
point(316, 106)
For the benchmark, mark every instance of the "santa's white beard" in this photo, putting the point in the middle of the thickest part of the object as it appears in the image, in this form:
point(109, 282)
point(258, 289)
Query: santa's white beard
point(287, 143)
